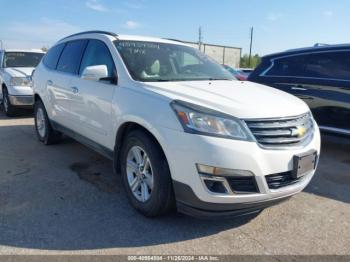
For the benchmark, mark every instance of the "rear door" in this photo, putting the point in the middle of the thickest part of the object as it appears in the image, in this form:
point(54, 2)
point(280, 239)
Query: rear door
point(327, 80)
point(54, 84)
point(60, 89)
point(92, 103)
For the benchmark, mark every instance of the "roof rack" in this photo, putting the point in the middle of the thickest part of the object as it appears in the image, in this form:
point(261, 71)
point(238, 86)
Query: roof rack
point(93, 32)
point(176, 40)
point(320, 44)
point(308, 47)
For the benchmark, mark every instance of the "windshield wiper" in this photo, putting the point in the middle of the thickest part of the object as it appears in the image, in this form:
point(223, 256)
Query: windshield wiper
point(163, 80)
point(213, 79)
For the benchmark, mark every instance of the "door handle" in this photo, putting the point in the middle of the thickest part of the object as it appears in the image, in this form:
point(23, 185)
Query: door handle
point(75, 90)
point(49, 83)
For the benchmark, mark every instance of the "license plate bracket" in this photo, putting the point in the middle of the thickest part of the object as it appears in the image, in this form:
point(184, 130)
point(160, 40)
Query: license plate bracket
point(304, 163)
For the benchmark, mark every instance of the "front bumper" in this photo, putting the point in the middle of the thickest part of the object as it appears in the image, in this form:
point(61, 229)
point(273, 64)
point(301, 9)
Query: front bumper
point(21, 101)
point(184, 151)
point(188, 203)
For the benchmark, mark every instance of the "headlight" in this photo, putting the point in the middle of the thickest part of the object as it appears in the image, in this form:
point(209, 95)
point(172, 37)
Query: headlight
point(20, 81)
point(200, 120)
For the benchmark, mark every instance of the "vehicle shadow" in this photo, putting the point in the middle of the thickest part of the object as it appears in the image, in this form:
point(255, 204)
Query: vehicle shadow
point(332, 179)
point(21, 113)
point(66, 197)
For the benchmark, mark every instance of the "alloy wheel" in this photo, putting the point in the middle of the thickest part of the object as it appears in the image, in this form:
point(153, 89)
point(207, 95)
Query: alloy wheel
point(139, 173)
point(40, 122)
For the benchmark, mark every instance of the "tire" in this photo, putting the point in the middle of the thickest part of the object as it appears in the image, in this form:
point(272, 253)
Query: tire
point(154, 177)
point(9, 109)
point(43, 128)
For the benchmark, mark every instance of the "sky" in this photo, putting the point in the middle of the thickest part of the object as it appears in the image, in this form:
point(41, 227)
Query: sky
point(278, 25)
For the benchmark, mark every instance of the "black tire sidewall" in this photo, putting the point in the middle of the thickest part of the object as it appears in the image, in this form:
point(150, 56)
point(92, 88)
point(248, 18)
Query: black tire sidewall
point(10, 109)
point(161, 174)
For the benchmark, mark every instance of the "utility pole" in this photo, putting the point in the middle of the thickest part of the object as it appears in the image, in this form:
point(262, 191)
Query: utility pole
point(200, 38)
point(251, 45)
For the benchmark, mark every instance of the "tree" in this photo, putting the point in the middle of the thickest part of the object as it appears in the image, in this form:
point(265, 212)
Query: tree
point(44, 48)
point(255, 61)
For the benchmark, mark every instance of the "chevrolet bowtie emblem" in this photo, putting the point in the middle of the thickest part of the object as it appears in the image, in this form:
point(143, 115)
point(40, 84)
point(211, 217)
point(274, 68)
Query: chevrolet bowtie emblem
point(299, 131)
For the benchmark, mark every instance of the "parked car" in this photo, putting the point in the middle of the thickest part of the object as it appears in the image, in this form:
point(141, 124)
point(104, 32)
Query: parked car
point(319, 75)
point(16, 67)
point(235, 73)
point(178, 127)
point(245, 71)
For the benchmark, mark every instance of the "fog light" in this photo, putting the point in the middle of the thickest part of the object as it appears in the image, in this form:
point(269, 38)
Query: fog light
point(215, 186)
point(218, 171)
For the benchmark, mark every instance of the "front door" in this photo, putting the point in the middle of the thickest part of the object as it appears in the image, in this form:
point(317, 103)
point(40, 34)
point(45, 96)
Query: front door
point(92, 103)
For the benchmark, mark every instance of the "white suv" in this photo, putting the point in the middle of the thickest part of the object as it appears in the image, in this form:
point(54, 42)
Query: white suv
point(179, 128)
point(16, 67)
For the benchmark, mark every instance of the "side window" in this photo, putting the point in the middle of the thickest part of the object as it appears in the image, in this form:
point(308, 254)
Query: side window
point(189, 59)
point(97, 53)
point(71, 56)
point(185, 59)
point(288, 66)
point(52, 56)
point(326, 65)
point(333, 65)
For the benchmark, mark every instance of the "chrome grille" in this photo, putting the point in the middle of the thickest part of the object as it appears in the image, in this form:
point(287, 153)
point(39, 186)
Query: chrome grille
point(282, 132)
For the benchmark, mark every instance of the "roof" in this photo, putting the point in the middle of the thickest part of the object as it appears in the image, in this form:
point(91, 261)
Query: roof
point(25, 50)
point(150, 39)
point(114, 36)
point(316, 48)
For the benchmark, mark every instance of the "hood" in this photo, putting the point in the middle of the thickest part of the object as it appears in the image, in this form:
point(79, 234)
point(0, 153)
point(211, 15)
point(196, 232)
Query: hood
point(19, 71)
point(240, 99)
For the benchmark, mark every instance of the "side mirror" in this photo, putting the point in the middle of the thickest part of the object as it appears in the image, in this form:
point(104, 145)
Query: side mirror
point(95, 73)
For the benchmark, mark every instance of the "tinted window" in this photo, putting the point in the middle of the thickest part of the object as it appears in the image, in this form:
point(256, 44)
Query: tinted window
point(52, 56)
point(22, 59)
point(71, 56)
point(97, 53)
point(332, 65)
point(288, 66)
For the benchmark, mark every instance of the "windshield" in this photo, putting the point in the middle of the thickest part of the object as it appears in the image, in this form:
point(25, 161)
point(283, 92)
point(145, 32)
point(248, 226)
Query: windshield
point(149, 62)
point(231, 70)
point(22, 59)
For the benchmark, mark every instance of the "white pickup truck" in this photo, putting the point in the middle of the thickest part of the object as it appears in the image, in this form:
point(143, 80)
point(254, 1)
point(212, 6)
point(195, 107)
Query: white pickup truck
point(16, 67)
